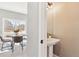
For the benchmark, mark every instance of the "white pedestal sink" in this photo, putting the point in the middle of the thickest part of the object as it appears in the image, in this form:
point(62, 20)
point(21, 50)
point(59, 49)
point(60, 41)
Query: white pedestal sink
point(50, 43)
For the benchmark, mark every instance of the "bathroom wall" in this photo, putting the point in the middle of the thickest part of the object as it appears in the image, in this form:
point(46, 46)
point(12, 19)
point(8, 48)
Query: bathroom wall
point(49, 21)
point(66, 27)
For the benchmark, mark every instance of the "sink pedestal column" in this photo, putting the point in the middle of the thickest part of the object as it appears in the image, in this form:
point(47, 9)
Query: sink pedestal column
point(50, 51)
point(50, 43)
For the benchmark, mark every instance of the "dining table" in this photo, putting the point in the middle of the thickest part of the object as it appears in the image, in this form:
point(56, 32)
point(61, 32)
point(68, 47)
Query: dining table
point(17, 39)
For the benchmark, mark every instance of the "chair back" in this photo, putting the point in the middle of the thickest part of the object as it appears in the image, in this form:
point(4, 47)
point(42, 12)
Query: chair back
point(18, 39)
point(1, 38)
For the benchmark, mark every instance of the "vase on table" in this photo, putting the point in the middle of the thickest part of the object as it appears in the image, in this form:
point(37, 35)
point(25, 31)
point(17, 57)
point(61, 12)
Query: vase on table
point(16, 31)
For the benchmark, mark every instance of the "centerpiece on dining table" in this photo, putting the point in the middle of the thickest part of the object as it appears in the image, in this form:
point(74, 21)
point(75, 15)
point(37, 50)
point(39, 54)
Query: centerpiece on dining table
point(16, 31)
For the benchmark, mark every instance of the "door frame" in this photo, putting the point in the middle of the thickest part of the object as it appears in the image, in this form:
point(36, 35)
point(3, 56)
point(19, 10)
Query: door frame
point(43, 29)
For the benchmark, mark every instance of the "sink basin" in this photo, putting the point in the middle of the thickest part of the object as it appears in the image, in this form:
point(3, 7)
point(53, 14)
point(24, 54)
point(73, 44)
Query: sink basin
point(52, 41)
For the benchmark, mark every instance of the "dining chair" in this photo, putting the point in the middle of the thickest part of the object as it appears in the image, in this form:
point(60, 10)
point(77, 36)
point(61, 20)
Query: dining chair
point(18, 39)
point(6, 41)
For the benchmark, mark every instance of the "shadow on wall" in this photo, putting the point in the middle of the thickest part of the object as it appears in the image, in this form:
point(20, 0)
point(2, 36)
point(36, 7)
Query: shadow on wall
point(57, 49)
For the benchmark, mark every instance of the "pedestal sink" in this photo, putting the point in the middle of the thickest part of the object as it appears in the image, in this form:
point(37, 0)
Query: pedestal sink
point(50, 43)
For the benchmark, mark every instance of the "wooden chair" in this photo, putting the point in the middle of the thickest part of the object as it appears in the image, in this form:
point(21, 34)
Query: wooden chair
point(18, 39)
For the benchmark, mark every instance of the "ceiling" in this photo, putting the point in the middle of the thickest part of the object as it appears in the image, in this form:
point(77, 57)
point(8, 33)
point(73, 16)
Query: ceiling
point(20, 7)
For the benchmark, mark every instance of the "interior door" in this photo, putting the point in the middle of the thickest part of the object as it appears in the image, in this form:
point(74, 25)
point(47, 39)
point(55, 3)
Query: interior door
point(37, 30)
